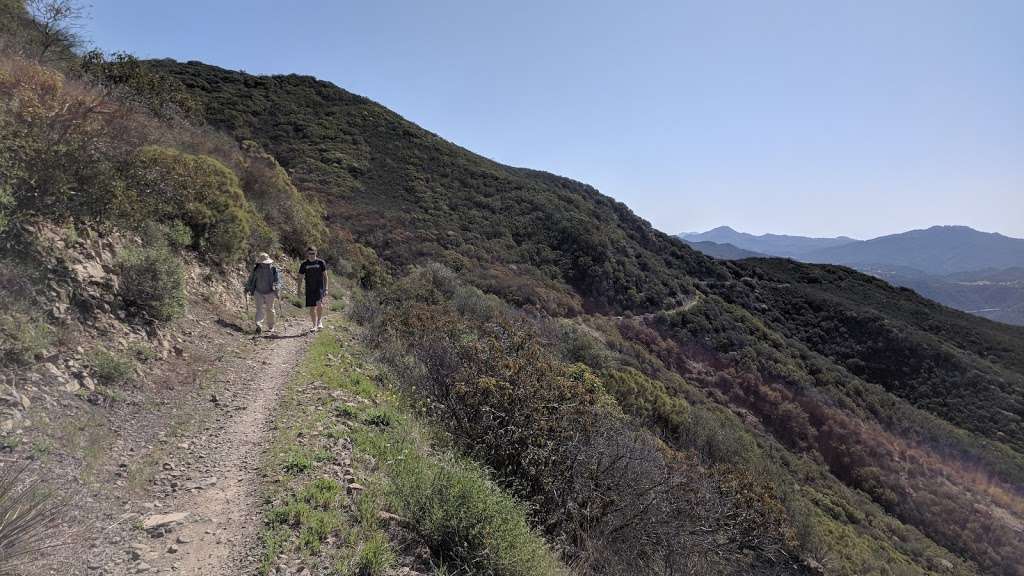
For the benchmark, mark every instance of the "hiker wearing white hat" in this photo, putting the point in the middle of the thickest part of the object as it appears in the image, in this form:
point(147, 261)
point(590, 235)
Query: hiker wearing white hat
point(264, 284)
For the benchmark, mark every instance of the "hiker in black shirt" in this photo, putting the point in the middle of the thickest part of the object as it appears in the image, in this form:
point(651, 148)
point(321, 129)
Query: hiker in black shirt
point(313, 271)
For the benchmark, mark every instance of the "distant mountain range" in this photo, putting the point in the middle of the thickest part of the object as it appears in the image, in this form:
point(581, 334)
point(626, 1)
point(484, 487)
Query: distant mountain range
point(771, 244)
point(977, 272)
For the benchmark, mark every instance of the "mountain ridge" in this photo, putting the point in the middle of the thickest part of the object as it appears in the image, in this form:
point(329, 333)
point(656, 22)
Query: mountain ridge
point(773, 244)
point(951, 264)
point(934, 250)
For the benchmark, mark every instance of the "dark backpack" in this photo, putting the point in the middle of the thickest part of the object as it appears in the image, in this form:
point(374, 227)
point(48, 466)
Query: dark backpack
point(264, 278)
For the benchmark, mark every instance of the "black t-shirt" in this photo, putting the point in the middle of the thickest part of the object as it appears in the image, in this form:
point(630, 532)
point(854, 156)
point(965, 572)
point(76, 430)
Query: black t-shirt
point(314, 272)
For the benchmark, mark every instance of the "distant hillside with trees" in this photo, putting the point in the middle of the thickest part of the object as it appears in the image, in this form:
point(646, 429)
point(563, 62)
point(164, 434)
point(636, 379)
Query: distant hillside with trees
point(973, 271)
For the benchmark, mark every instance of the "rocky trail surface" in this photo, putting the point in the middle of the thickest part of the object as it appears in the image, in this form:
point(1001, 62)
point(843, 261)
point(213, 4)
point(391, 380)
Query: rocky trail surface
point(209, 522)
point(177, 487)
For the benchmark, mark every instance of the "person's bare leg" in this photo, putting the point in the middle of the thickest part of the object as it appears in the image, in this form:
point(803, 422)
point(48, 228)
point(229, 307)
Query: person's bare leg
point(319, 314)
point(313, 316)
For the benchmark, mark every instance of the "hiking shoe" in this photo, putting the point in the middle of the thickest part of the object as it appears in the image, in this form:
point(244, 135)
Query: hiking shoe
point(320, 325)
point(259, 328)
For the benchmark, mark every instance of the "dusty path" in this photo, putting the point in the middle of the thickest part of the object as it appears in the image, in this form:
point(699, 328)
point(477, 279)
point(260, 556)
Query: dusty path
point(208, 522)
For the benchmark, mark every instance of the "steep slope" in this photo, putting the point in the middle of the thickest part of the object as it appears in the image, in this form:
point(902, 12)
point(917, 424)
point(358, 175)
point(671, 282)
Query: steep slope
point(772, 244)
point(936, 250)
point(832, 380)
point(412, 195)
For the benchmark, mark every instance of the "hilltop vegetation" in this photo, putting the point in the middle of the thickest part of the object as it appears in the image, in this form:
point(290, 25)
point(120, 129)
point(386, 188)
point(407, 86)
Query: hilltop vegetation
point(535, 238)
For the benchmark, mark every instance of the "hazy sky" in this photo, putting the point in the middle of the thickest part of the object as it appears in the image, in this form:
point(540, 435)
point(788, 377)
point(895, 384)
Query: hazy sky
point(819, 117)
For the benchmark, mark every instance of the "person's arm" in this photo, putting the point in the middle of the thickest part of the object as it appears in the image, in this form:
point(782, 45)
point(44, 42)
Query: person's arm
point(298, 283)
point(325, 281)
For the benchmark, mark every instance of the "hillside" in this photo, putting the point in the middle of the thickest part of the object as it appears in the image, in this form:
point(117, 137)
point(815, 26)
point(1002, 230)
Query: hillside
point(994, 294)
point(830, 380)
point(723, 251)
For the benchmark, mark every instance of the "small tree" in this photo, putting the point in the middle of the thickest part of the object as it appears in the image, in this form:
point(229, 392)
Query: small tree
point(56, 24)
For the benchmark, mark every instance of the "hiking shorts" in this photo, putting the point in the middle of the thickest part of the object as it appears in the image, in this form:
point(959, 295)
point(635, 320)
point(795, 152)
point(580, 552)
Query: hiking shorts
point(314, 297)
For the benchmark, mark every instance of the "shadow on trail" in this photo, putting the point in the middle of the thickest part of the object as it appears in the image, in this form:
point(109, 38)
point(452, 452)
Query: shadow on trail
point(284, 336)
point(230, 326)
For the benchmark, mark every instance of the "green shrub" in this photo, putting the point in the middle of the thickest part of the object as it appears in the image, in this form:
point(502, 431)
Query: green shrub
point(297, 462)
point(380, 417)
point(321, 493)
point(142, 352)
point(298, 219)
point(23, 338)
point(175, 235)
point(153, 282)
point(111, 368)
point(317, 528)
point(179, 235)
point(345, 411)
point(315, 525)
point(375, 557)
point(202, 193)
point(466, 520)
point(6, 206)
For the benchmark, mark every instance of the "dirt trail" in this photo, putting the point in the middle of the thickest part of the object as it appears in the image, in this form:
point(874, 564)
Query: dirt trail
point(217, 482)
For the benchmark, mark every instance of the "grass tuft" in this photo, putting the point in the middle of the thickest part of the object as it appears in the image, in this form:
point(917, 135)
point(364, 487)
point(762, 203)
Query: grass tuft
point(28, 517)
point(297, 462)
point(375, 557)
point(111, 368)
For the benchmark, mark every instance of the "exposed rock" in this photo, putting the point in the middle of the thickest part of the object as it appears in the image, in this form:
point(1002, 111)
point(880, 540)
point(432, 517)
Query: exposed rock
point(814, 567)
point(48, 369)
point(199, 484)
point(16, 399)
point(391, 518)
point(163, 520)
point(137, 551)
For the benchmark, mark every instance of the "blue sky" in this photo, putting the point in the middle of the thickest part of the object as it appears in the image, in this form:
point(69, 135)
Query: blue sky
point(839, 117)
